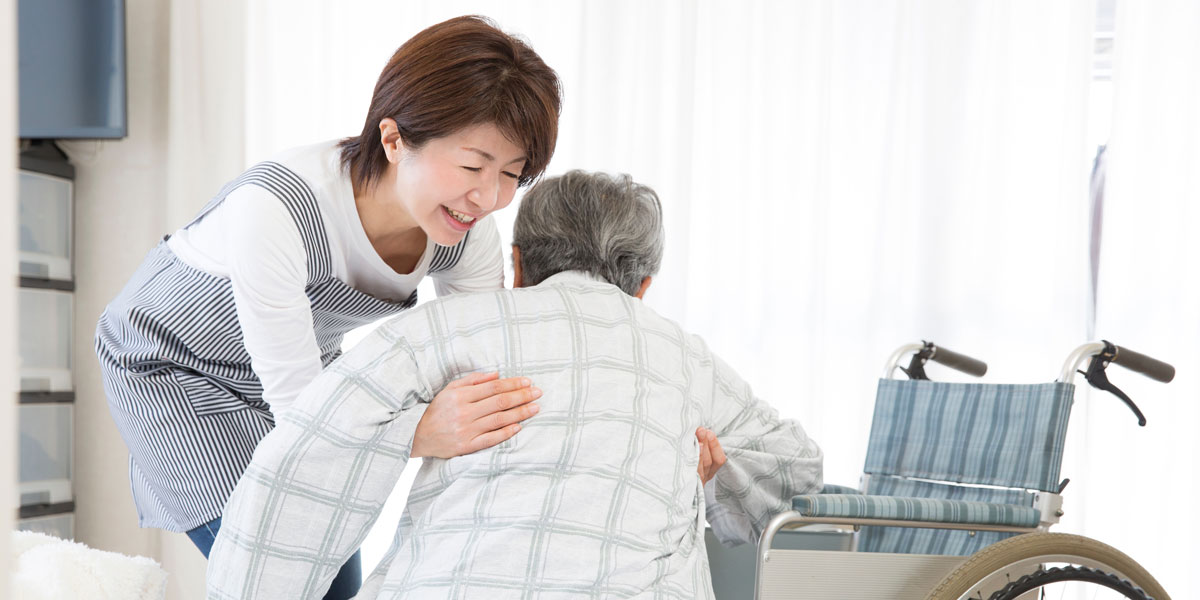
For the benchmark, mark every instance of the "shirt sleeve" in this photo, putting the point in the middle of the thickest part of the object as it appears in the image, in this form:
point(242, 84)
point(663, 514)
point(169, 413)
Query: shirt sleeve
point(768, 461)
point(319, 480)
point(268, 270)
point(481, 266)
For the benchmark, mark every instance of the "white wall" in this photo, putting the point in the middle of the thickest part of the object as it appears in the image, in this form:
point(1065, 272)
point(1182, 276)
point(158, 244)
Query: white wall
point(116, 221)
point(120, 214)
point(8, 273)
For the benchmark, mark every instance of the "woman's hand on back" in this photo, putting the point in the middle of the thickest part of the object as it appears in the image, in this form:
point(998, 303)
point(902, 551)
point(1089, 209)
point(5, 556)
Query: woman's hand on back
point(474, 412)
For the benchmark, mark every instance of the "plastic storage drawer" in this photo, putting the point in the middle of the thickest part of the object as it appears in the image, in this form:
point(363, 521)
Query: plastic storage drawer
point(45, 226)
point(45, 451)
point(45, 340)
point(60, 526)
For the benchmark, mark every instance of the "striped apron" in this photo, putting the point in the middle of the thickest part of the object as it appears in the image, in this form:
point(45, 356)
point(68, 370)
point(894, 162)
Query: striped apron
point(177, 375)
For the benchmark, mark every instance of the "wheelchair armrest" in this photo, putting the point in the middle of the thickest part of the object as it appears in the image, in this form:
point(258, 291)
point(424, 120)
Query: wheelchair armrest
point(920, 512)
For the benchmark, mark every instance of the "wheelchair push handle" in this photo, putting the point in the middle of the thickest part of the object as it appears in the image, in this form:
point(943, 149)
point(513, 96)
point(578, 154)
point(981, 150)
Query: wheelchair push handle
point(958, 362)
point(927, 351)
point(1100, 354)
point(1150, 367)
point(1106, 352)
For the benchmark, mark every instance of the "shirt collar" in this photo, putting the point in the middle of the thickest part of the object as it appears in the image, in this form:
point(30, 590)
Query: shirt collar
point(573, 277)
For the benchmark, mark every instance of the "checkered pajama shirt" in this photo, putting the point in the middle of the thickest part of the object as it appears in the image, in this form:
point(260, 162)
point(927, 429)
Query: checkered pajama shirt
point(597, 496)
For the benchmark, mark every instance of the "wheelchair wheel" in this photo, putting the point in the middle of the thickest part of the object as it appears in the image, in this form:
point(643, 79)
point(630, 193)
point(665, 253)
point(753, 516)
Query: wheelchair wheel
point(1023, 566)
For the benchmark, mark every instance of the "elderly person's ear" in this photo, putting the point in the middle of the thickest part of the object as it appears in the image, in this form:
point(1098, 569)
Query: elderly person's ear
point(642, 290)
point(517, 281)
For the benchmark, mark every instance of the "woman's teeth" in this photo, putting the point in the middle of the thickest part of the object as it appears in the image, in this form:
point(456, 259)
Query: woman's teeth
point(461, 218)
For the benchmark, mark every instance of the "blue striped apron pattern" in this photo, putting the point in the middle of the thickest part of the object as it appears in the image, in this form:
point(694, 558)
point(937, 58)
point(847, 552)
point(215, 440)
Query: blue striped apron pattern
point(177, 375)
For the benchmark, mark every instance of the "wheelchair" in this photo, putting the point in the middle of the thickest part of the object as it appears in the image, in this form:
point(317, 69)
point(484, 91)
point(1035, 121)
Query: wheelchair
point(960, 487)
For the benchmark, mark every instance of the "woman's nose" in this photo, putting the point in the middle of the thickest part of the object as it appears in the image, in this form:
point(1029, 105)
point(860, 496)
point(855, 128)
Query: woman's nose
point(485, 196)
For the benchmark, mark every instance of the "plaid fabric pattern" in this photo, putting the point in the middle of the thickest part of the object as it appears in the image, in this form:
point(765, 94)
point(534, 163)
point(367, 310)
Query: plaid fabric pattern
point(597, 496)
point(988, 434)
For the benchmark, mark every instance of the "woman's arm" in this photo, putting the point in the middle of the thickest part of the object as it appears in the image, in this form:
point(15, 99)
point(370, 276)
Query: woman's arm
point(319, 480)
point(268, 271)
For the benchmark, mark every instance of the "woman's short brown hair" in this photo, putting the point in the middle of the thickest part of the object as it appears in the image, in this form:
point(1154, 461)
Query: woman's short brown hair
point(453, 75)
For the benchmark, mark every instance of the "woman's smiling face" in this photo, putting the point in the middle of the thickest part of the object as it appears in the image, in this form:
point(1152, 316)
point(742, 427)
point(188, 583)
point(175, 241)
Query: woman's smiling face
point(452, 182)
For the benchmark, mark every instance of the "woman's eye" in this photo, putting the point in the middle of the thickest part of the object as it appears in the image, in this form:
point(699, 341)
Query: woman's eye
point(513, 175)
point(473, 169)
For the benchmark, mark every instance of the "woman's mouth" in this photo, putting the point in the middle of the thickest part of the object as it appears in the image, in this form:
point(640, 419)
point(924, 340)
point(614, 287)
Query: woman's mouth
point(458, 220)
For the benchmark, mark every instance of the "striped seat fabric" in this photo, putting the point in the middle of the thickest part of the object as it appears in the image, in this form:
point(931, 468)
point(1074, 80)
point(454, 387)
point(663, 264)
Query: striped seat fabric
point(934, 446)
point(936, 541)
point(985, 434)
point(915, 509)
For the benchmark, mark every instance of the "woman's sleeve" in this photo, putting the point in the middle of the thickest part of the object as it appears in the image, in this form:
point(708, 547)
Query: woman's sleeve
point(481, 266)
point(269, 270)
point(769, 460)
point(318, 481)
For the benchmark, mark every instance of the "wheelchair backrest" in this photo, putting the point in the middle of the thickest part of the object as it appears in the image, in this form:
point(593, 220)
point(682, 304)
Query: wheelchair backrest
point(929, 437)
point(973, 433)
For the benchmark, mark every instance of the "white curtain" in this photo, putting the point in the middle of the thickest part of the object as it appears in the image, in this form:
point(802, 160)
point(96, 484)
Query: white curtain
point(1149, 296)
point(843, 176)
point(206, 99)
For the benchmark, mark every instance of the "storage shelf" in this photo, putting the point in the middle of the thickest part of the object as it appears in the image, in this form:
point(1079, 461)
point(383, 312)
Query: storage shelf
point(45, 330)
point(45, 510)
point(46, 284)
point(45, 397)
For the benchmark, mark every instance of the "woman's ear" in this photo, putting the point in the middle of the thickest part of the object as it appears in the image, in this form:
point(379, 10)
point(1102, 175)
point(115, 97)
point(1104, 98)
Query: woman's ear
point(517, 280)
point(389, 136)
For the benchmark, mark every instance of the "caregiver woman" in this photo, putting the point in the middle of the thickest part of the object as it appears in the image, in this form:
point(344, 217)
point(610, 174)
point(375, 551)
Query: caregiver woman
point(229, 318)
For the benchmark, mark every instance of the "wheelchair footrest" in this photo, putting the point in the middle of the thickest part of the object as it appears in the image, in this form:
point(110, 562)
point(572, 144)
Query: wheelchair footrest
point(926, 510)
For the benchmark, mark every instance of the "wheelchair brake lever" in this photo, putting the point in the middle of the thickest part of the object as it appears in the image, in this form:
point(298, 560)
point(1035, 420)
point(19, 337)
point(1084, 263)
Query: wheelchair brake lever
point(1098, 378)
point(916, 366)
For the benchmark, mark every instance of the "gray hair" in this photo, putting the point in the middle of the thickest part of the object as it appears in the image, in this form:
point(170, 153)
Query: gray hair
point(606, 225)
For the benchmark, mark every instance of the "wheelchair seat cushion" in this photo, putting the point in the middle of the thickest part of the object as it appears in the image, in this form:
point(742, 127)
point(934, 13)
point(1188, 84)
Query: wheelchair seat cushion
point(915, 509)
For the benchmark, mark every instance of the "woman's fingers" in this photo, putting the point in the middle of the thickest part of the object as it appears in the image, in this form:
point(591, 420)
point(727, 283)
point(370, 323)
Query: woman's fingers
point(474, 412)
point(496, 424)
point(451, 424)
point(491, 406)
point(491, 438)
point(491, 387)
point(472, 379)
point(504, 418)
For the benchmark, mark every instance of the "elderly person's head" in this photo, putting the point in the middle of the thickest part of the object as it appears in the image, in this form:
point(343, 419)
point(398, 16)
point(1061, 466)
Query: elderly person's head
point(605, 225)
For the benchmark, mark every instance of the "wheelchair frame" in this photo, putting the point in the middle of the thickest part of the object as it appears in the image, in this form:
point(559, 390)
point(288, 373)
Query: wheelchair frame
point(998, 570)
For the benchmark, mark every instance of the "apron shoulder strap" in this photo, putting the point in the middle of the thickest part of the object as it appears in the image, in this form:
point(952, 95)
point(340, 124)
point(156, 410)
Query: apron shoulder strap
point(445, 257)
point(301, 203)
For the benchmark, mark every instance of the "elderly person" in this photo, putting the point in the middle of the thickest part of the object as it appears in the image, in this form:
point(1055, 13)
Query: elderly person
point(598, 494)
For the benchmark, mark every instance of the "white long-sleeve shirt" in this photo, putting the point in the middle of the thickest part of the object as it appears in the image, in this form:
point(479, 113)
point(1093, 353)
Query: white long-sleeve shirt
point(597, 495)
point(251, 239)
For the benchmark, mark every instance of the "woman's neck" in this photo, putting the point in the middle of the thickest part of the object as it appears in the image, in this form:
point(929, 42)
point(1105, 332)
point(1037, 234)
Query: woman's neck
point(393, 233)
